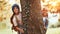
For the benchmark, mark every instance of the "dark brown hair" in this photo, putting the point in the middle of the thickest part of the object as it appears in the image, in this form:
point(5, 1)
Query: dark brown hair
point(15, 5)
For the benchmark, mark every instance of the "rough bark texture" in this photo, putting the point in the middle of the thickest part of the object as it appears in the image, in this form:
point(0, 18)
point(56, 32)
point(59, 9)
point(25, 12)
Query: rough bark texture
point(32, 16)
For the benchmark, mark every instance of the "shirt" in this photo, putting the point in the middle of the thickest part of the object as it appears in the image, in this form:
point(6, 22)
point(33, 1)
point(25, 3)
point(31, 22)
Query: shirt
point(19, 19)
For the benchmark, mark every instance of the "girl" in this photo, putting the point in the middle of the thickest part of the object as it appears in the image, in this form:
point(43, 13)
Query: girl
point(16, 19)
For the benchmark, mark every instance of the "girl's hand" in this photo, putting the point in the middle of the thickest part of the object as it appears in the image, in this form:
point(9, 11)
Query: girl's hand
point(19, 29)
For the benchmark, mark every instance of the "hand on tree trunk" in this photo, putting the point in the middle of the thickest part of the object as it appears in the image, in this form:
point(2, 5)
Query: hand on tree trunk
point(19, 29)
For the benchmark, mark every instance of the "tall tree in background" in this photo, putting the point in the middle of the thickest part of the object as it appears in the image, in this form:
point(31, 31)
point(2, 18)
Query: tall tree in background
point(31, 16)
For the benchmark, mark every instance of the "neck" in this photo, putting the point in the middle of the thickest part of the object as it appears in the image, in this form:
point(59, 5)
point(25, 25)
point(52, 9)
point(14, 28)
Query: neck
point(17, 14)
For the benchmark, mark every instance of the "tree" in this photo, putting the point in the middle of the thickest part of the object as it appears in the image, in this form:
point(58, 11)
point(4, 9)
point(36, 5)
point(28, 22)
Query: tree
point(32, 17)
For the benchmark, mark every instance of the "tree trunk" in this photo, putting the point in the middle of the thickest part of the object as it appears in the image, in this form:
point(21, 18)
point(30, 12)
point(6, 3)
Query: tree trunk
point(31, 15)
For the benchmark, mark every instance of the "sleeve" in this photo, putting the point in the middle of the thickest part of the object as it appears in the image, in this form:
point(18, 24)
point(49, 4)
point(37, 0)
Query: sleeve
point(14, 21)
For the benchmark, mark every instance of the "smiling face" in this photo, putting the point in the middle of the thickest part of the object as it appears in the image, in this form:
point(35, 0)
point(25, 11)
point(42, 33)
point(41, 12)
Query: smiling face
point(16, 10)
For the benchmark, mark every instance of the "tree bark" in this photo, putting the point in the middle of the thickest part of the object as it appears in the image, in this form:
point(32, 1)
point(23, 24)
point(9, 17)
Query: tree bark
point(31, 15)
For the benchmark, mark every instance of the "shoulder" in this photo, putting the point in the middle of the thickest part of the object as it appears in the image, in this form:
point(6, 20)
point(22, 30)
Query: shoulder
point(20, 13)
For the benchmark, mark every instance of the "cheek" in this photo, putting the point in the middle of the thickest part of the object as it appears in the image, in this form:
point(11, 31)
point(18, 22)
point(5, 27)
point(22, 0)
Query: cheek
point(16, 10)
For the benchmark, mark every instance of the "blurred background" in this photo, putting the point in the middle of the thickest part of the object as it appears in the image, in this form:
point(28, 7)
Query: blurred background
point(5, 14)
point(50, 10)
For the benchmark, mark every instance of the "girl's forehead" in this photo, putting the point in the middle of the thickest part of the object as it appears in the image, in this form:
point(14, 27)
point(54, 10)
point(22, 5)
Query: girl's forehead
point(15, 7)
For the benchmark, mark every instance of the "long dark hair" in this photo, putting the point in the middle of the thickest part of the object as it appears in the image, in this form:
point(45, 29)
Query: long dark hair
point(15, 5)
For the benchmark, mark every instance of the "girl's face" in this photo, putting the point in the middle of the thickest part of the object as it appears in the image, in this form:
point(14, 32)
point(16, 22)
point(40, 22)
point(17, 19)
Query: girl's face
point(16, 11)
